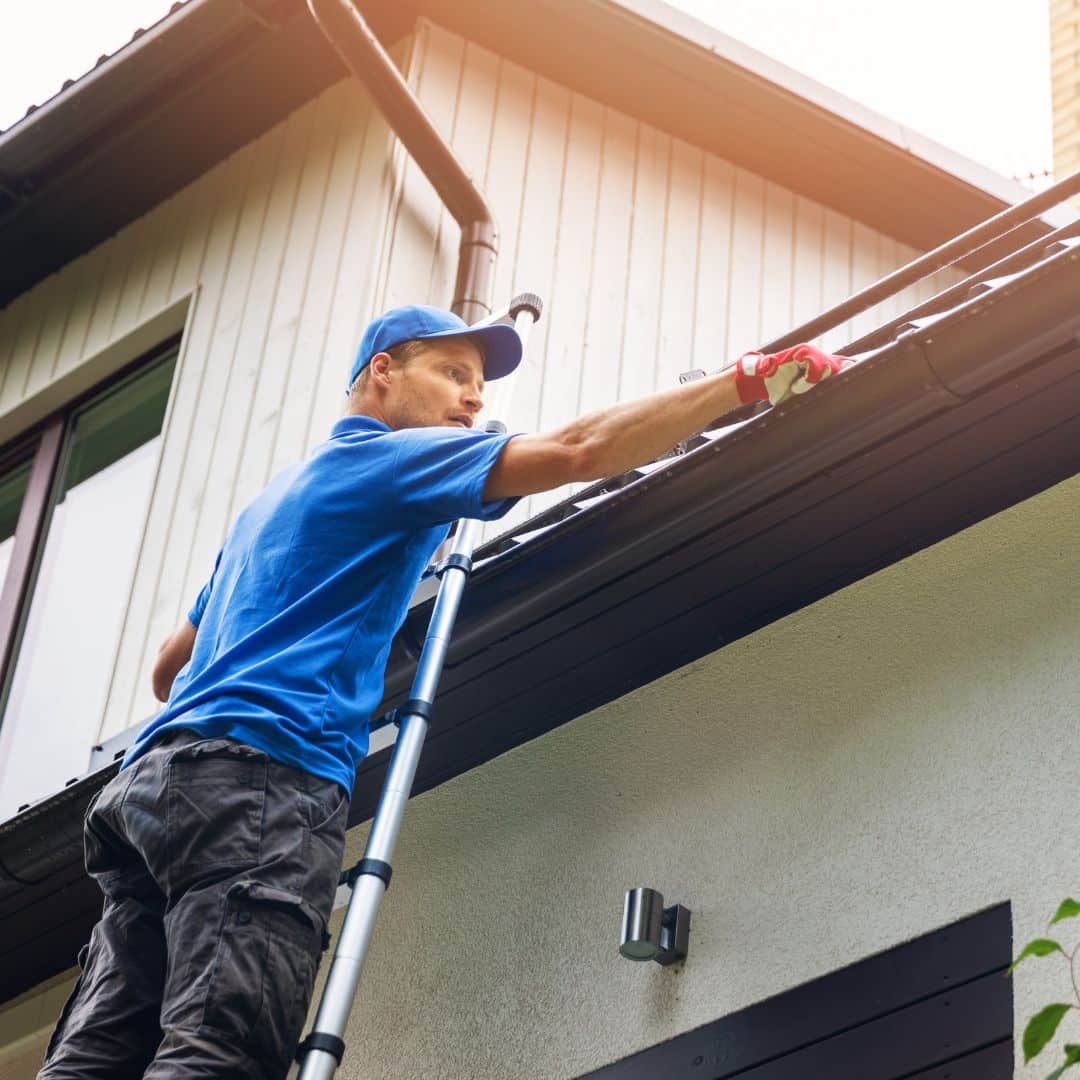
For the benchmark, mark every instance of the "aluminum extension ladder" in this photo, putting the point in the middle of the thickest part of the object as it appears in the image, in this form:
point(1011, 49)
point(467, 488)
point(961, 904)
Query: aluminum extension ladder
point(321, 1052)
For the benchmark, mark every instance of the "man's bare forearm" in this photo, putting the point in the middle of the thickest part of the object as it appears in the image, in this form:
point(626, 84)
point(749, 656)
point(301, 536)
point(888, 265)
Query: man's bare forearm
point(611, 440)
point(635, 432)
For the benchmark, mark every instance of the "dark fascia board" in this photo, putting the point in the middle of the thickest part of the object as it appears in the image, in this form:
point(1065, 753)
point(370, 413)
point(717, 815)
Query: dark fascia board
point(217, 73)
point(70, 122)
point(901, 451)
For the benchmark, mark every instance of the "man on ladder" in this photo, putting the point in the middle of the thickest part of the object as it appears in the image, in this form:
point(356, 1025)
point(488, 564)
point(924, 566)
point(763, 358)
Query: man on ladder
point(219, 843)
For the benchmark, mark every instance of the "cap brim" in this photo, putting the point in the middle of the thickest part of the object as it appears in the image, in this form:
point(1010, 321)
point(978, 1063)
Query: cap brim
point(502, 347)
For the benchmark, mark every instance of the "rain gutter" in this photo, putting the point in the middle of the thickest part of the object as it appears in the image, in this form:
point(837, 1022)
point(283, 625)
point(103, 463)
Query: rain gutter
point(352, 38)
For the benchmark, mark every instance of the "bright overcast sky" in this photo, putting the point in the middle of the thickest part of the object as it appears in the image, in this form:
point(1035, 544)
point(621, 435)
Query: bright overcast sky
point(972, 75)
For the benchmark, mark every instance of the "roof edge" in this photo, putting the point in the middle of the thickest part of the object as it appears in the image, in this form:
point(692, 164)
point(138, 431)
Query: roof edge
point(71, 88)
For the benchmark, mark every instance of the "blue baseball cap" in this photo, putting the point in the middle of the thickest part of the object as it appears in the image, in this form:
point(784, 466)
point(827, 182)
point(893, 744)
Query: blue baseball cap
point(499, 341)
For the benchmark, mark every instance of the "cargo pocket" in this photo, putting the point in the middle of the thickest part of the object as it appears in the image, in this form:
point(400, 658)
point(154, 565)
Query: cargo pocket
point(328, 815)
point(216, 790)
point(264, 971)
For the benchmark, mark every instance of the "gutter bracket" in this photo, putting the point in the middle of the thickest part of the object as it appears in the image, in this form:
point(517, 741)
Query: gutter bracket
point(950, 396)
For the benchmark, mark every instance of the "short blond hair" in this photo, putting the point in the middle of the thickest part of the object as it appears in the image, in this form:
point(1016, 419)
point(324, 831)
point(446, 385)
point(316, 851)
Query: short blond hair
point(402, 352)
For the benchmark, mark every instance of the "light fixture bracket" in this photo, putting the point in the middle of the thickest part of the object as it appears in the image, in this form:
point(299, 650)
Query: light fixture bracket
point(674, 935)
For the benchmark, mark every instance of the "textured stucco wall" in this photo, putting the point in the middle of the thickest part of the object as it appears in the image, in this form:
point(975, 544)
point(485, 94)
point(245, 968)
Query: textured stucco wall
point(895, 757)
point(888, 760)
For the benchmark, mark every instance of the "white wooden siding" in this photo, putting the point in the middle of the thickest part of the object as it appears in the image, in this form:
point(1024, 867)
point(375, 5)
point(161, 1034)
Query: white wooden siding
point(653, 257)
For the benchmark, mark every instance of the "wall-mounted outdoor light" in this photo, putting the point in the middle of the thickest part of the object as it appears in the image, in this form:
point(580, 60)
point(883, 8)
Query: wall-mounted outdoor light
point(651, 931)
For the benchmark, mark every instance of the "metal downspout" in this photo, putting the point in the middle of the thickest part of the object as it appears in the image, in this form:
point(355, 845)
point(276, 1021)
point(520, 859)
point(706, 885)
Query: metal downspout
point(365, 57)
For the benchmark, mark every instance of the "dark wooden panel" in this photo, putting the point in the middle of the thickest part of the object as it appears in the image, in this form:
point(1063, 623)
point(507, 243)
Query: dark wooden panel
point(893, 1047)
point(912, 1008)
point(991, 1063)
point(159, 126)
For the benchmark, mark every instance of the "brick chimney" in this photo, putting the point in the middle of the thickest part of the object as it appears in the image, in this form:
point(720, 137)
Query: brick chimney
point(1065, 79)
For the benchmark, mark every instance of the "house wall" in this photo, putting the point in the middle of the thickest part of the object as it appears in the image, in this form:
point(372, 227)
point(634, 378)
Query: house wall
point(653, 257)
point(879, 764)
point(890, 759)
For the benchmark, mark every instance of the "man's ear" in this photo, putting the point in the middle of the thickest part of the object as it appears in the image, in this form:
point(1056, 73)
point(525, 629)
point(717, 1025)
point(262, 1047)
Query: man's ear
point(380, 365)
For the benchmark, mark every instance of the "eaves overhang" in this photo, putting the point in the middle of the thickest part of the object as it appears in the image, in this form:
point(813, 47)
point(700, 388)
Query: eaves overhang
point(215, 74)
point(960, 414)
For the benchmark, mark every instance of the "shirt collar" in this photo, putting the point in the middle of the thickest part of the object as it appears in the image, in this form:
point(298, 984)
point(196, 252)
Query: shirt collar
point(352, 425)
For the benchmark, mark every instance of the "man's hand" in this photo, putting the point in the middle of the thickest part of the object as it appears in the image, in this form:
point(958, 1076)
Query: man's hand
point(174, 653)
point(774, 377)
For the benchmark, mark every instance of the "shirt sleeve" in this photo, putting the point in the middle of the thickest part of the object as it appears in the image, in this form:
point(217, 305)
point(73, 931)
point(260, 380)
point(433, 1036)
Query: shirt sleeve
point(196, 613)
point(439, 474)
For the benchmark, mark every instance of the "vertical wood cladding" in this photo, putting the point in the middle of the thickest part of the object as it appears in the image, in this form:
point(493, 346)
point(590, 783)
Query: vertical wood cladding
point(1065, 85)
point(653, 257)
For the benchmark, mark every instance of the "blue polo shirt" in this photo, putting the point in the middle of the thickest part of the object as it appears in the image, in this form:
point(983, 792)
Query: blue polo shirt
point(312, 583)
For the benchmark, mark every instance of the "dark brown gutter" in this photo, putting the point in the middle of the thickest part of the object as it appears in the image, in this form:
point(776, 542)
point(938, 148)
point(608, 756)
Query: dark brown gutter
point(350, 35)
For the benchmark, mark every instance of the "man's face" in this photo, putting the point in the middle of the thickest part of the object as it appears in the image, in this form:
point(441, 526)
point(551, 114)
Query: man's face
point(440, 387)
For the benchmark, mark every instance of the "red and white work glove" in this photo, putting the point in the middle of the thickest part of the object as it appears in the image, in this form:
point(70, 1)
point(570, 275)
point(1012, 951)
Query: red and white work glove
point(775, 377)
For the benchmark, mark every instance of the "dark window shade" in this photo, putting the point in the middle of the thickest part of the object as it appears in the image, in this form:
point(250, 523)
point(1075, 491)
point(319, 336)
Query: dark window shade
point(126, 416)
point(12, 489)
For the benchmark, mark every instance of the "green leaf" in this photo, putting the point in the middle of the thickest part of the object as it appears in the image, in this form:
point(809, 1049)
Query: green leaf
point(1041, 1028)
point(1069, 909)
point(1041, 946)
point(1072, 1056)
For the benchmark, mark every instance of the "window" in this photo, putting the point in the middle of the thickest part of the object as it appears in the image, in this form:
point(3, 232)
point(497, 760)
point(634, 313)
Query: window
point(13, 481)
point(71, 522)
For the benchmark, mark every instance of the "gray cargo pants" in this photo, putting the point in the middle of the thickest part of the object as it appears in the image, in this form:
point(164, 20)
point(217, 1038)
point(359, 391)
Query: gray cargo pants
point(219, 867)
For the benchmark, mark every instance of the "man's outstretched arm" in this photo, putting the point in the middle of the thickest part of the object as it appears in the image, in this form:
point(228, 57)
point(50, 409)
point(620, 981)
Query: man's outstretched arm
point(616, 439)
point(611, 440)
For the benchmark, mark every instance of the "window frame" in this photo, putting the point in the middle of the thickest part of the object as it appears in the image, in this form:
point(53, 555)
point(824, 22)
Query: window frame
point(45, 443)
